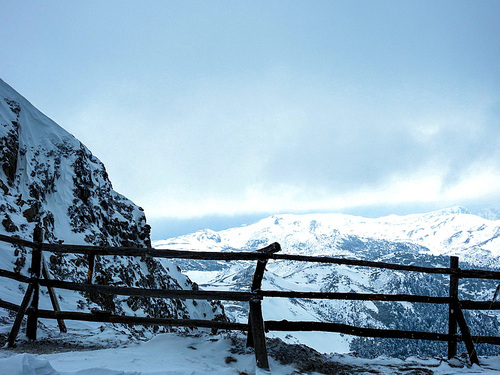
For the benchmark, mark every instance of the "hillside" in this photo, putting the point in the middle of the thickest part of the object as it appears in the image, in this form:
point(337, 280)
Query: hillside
point(49, 177)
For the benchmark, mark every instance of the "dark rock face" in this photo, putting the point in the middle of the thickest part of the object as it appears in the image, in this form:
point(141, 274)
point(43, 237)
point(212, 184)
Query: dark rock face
point(48, 177)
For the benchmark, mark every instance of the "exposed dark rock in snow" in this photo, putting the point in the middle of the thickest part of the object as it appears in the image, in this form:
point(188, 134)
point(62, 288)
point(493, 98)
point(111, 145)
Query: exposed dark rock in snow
point(49, 177)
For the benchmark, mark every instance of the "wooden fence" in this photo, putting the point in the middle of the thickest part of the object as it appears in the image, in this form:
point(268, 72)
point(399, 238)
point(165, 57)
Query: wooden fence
point(256, 326)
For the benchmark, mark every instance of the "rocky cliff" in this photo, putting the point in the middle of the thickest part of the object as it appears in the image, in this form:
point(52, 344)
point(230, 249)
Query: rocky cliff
point(49, 177)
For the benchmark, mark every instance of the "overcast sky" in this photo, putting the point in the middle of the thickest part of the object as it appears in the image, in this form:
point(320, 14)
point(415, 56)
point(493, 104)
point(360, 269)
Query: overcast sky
point(212, 111)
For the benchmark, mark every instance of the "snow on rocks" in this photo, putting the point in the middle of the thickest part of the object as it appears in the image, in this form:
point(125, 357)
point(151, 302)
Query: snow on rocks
point(49, 177)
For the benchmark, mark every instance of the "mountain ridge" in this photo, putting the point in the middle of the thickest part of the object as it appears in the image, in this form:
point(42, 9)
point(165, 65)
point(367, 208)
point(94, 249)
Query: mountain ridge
point(451, 231)
point(420, 239)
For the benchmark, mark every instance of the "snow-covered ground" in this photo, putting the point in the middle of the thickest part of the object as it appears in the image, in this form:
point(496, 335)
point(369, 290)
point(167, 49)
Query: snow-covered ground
point(74, 353)
point(164, 354)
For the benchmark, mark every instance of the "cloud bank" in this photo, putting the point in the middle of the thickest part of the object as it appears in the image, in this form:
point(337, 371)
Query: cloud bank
point(269, 144)
point(242, 108)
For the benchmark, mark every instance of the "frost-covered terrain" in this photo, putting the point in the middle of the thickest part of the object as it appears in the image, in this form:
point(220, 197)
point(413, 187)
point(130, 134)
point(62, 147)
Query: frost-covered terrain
point(424, 239)
point(168, 354)
point(49, 177)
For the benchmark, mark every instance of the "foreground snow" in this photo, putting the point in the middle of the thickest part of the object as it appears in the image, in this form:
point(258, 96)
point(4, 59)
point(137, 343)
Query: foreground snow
point(165, 354)
point(221, 354)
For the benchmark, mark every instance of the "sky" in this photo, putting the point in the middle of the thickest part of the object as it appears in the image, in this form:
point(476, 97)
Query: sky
point(210, 114)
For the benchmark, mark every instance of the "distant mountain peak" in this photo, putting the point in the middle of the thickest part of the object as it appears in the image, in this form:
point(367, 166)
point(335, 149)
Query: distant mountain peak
point(426, 239)
point(450, 231)
point(489, 213)
point(454, 210)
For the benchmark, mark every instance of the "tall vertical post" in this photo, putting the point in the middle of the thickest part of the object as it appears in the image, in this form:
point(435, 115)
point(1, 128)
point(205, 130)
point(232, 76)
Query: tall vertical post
point(452, 320)
point(36, 263)
point(256, 334)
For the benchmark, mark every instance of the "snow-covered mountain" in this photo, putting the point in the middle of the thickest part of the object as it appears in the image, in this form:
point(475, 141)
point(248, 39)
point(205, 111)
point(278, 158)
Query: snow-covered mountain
point(452, 231)
point(47, 176)
point(421, 239)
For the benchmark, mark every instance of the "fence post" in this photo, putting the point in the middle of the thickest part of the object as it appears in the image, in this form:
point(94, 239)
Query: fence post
point(19, 316)
point(466, 337)
point(257, 331)
point(256, 334)
point(452, 321)
point(53, 297)
point(36, 263)
point(90, 274)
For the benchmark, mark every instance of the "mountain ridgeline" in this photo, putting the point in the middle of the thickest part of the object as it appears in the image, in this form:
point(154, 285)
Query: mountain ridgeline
point(49, 177)
point(424, 240)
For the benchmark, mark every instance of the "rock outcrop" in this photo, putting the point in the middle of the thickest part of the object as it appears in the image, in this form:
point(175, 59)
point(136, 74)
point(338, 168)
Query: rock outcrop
point(49, 177)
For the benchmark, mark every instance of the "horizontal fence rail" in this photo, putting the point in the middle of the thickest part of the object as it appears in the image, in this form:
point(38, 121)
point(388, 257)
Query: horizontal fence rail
point(17, 241)
point(284, 325)
point(214, 255)
point(154, 293)
point(256, 326)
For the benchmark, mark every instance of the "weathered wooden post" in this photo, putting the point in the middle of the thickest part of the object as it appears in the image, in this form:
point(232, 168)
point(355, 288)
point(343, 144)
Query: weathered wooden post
point(19, 317)
point(464, 329)
point(90, 274)
point(452, 321)
point(256, 335)
point(53, 297)
point(36, 263)
point(456, 316)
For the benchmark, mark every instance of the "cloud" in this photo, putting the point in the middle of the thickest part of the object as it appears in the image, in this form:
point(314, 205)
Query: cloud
point(276, 143)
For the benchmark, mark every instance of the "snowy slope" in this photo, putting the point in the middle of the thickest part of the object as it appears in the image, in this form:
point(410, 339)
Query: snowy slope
point(170, 354)
point(49, 177)
point(424, 239)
